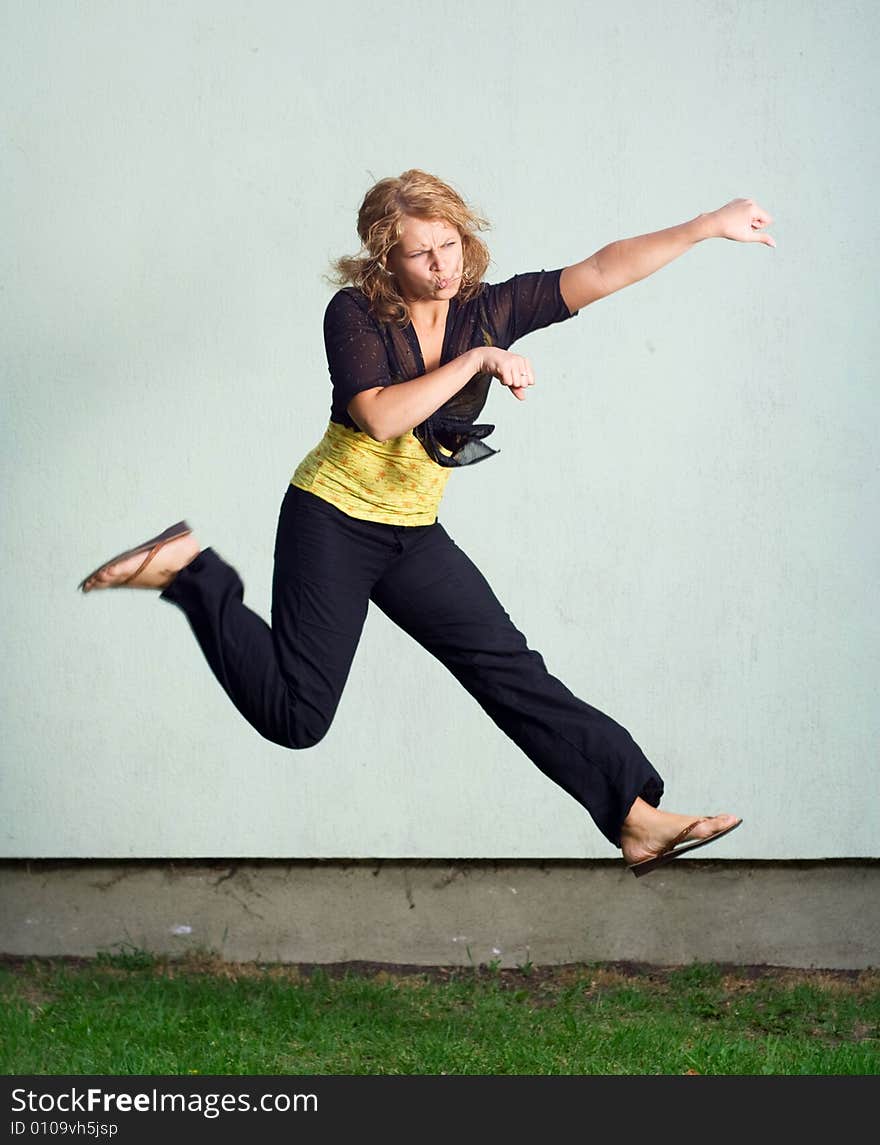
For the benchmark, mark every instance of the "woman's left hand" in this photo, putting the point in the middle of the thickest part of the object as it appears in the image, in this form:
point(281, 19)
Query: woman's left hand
point(742, 220)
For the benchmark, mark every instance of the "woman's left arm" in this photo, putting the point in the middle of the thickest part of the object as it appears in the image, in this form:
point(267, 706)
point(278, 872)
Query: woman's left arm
point(626, 261)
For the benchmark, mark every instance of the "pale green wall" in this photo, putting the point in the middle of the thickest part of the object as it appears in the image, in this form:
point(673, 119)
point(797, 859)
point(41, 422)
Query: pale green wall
point(683, 517)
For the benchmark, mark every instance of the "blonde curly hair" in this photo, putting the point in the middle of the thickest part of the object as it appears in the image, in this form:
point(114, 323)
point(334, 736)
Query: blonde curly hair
point(380, 221)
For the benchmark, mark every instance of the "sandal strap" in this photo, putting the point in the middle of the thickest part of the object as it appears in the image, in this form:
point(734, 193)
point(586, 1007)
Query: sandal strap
point(681, 836)
point(137, 572)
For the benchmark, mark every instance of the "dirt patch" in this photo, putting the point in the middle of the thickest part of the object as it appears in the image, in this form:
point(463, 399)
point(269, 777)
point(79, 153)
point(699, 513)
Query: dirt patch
point(593, 977)
point(33, 996)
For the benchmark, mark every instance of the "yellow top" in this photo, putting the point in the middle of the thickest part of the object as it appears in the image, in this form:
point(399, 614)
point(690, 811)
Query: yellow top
point(394, 482)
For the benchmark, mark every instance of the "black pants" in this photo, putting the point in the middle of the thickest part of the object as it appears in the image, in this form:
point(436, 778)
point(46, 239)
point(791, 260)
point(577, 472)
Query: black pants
point(287, 680)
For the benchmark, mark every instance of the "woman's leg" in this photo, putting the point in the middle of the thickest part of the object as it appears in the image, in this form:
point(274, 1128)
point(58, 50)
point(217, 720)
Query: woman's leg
point(287, 680)
point(437, 595)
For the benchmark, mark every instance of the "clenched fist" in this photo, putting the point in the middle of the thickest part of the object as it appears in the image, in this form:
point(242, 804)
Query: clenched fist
point(742, 220)
point(510, 369)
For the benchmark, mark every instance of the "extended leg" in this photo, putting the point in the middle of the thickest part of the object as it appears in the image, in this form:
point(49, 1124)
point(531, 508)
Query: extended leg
point(435, 593)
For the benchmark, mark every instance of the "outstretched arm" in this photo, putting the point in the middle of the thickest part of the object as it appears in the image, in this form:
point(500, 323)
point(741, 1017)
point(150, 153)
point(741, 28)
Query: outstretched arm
point(626, 261)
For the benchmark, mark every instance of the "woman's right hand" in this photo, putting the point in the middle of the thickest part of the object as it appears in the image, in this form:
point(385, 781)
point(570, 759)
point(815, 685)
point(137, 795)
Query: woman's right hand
point(511, 370)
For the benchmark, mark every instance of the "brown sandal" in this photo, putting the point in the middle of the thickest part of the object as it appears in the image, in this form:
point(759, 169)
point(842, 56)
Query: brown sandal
point(150, 548)
point(672, 851)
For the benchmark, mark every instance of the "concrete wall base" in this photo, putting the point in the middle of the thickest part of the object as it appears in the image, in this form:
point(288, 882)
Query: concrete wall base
point(800, 914)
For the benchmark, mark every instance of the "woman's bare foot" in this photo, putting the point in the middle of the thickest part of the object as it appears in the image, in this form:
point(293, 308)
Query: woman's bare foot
point(158, 573)
point(647, 831)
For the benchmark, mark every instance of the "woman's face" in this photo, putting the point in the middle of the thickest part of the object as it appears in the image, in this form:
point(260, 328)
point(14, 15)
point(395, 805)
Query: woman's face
point(427, 260)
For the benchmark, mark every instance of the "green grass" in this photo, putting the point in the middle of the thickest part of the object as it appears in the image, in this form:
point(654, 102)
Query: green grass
point(131, 1013)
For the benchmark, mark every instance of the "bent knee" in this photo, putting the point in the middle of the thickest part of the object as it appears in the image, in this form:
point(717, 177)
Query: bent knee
point(301, 738)
point(297, 725)
point(301, 734)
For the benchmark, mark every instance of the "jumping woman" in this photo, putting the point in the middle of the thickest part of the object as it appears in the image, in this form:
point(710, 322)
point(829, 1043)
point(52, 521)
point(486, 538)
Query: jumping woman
point(414, 339)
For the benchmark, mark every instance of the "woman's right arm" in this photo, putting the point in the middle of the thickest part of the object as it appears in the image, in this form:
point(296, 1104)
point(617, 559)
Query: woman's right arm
point(385, 412)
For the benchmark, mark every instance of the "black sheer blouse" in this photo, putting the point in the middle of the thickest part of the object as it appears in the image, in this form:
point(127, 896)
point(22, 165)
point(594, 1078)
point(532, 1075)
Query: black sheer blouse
point(363, 353)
